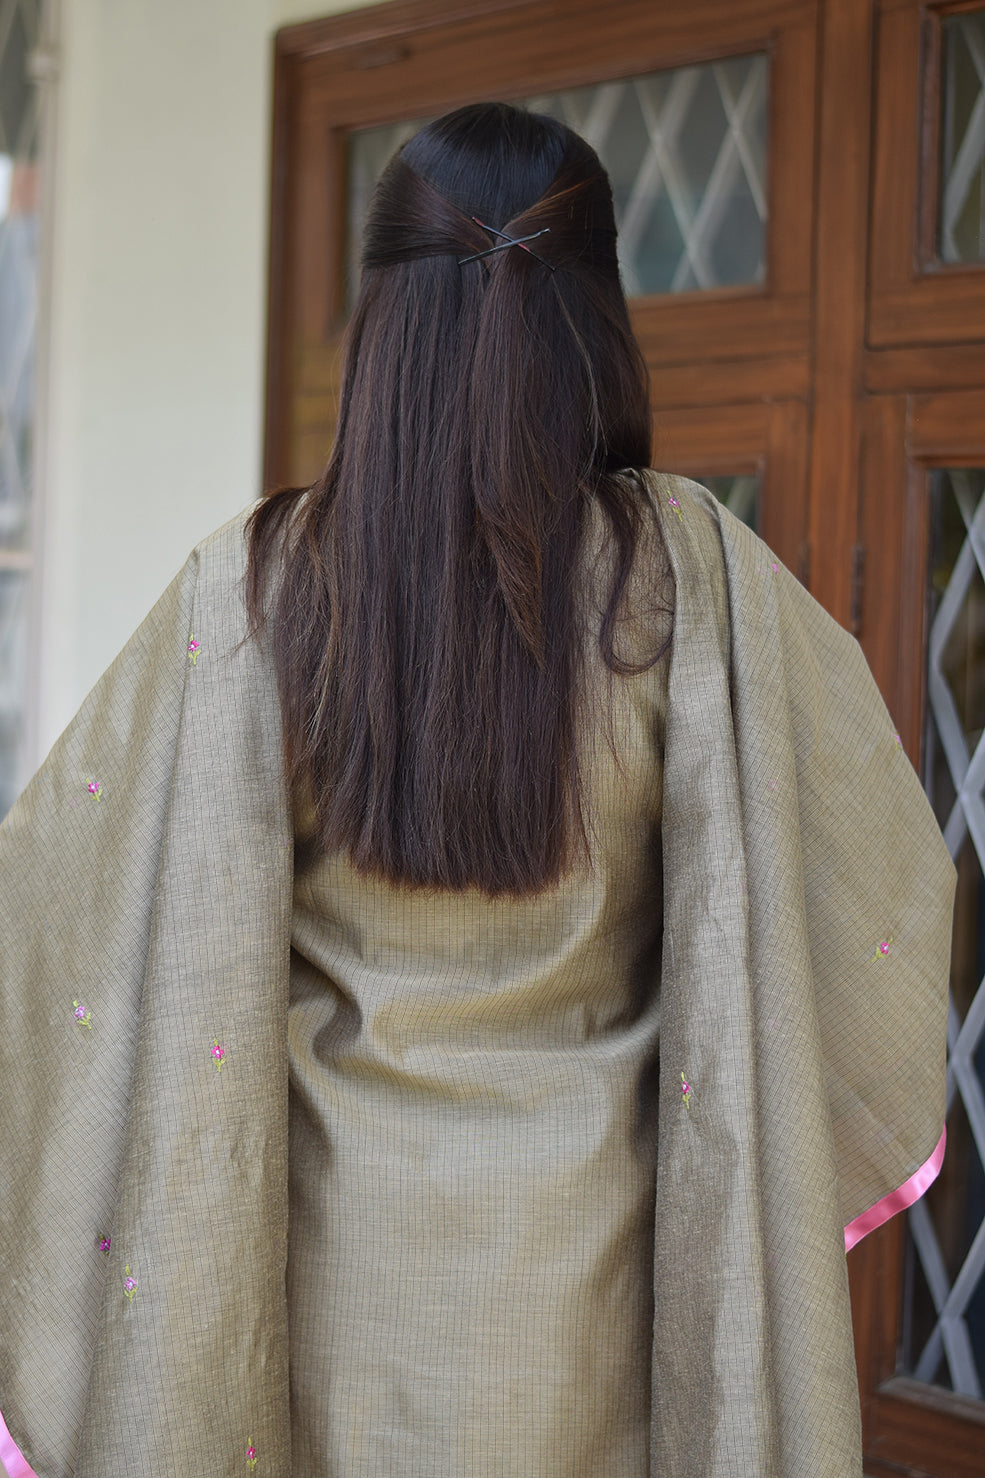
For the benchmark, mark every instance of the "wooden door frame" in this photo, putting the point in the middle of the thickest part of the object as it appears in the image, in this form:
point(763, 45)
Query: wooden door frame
point(915, 298)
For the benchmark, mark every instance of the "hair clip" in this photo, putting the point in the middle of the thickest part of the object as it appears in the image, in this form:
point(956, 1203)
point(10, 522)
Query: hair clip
point(507, 241)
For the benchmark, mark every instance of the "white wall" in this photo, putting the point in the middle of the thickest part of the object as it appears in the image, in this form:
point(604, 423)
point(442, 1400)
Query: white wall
point(157, 310)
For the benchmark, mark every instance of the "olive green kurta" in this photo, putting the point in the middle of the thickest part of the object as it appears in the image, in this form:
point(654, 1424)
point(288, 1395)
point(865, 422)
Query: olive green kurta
point(145, 946)
point(473, 1143)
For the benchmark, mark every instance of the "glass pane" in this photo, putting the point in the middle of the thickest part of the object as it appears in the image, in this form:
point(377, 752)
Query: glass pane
point(686, 151)
point(944, 1310)
point(740, 494)
point(13, 672)
point(962, 222)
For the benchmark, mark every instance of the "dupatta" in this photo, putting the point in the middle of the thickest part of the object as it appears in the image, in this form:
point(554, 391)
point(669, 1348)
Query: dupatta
point(144, 958)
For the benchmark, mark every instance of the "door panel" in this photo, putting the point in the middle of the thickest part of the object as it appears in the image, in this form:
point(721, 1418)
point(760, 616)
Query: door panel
point(921, 289)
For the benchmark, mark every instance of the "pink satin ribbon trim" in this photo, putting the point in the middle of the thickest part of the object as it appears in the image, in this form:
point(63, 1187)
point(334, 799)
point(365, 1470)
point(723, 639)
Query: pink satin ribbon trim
point(911, 1190)
point(11, 1456)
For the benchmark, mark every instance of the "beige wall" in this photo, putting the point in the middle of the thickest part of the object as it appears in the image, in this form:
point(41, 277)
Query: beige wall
point(153, 430)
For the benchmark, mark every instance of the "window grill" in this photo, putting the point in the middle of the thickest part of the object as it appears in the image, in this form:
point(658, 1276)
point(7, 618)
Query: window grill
point(962, 223)
point(944, 1316)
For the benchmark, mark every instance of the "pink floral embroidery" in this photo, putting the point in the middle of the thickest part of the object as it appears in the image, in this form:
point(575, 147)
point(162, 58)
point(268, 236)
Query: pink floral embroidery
point(676, 506)
point(95, 787)
point(882, 948)
point(251, 1455)
point(129, 1283)
point(774, 566)
point(686, 1091)
point(82, 1015)
point(218, 1053)
point(898, 741)
point(194, 647)
point(104, 1245)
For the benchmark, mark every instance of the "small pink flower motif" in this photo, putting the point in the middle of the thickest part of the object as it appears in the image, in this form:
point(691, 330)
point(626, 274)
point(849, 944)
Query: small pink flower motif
point(95, 787)
point(104, 1245)
point(774, 566)
point(686, 1091)
point(194, 647)
point(82, 1015)
point(882, 948)
point(251, 1455)
point(129, 1283)
point(898, 741)
point(676, 506)
point(218, 1053)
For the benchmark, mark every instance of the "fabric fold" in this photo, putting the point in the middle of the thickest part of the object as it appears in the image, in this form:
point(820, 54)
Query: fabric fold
point(144, 1105)
point(808, 904)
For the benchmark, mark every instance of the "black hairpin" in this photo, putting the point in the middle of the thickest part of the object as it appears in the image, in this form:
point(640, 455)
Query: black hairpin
point(507, 241)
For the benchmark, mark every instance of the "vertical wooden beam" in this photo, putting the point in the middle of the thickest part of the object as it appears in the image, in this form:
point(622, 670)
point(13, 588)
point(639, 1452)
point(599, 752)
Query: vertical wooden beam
point(846, 44)
point(784, 517)
point(883, 534)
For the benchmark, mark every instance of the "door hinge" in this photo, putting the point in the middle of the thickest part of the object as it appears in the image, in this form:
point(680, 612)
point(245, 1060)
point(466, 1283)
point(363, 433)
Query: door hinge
point(858, 588)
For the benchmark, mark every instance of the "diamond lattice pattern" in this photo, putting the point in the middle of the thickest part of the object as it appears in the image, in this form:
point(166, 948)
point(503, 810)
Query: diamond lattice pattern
point(962, 224)
point(686, 153)
point(944, 1317)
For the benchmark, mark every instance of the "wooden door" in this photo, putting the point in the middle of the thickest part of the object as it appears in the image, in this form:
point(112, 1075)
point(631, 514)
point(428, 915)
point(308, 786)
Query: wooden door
point(817, 354)
point(920, 1290)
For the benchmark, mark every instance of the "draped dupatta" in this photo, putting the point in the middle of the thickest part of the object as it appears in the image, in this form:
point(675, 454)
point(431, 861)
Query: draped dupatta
point(144, 956)
point(807, 938)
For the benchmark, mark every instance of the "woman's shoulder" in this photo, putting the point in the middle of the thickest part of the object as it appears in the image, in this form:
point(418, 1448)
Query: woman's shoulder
point(674, 495)
point(222, 554)
point(214, 575)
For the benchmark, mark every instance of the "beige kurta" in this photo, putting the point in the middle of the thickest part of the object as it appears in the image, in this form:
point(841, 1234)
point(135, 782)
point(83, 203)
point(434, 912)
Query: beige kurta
point(473, 1149)
point(145, 948)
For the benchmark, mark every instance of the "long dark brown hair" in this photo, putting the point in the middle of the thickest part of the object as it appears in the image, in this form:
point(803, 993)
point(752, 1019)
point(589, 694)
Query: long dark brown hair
point(426, 625)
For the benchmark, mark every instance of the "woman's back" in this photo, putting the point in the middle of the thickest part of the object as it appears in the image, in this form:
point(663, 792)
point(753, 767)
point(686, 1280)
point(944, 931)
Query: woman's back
point(473, 1137)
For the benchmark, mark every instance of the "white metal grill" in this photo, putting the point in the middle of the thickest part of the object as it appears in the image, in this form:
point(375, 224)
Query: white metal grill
point(948, 1232)
point(962, 224)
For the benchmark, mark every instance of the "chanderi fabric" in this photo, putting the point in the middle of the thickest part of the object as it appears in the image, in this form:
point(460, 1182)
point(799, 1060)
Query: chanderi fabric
point(145, 947)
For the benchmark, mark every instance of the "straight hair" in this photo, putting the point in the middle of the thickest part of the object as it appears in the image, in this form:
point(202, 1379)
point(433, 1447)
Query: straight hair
point(425, 618)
